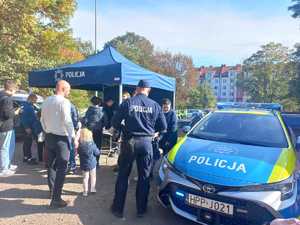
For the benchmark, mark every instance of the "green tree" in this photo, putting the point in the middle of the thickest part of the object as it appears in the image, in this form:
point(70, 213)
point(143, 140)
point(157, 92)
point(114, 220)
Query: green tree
point(135, 47)
point(141, 51)
point(35, 34)
point(267, 74)
point(201, 97)
point(180, 67)
point(295, 8)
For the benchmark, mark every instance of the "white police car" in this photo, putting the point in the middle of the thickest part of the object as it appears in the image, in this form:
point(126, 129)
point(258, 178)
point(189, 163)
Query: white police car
point(235, 166)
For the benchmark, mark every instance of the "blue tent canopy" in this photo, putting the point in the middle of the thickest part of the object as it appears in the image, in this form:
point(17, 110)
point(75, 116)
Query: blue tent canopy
point(108, 67)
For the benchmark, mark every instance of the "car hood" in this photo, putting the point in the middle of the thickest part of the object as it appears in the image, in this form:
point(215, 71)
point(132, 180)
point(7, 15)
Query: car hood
point(231, 164)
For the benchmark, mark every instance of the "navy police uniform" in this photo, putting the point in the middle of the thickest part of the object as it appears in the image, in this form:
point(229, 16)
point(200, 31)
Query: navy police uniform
point(142, 115)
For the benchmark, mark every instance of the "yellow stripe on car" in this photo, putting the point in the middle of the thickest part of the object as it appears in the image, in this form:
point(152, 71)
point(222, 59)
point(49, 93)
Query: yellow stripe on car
point(284, 166)
point(172, 154)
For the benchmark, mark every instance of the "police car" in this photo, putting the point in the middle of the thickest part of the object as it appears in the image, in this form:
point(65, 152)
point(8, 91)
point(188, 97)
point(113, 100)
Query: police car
point(236, 166)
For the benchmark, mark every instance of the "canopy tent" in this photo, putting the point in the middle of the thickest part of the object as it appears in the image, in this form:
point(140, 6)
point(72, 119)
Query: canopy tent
point(107, 71)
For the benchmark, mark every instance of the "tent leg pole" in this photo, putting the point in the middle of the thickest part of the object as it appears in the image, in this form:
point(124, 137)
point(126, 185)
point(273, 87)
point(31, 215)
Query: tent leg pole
point(120, 93)
point(174, 99)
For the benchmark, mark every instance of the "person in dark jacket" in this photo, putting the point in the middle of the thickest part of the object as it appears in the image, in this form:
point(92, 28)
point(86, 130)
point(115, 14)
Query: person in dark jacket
point(109, 109)
point(169, 138)
point(88, 152)
point(75, 121)
point(7, 135)
point(28, 119)
point(95, 120)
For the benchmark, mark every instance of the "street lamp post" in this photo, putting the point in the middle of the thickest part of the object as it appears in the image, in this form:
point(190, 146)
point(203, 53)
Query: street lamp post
point(96, 92)
point(95, 26)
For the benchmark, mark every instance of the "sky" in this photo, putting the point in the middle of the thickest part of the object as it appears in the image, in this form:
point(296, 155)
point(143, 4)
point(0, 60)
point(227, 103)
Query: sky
point(212, 32)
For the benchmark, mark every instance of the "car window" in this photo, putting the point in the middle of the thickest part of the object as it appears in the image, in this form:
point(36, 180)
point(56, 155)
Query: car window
point(252, 129)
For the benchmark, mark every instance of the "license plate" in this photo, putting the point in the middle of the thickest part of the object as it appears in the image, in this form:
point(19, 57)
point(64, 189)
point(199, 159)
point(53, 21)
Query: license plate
point(217, 206)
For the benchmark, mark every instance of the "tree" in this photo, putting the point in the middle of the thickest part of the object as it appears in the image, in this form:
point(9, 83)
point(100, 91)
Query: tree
point(135, 47)
point(267, 74)
point(201, 97)
point(35, 34)
point(180, 67)
point(295, 9)
point(141, 51)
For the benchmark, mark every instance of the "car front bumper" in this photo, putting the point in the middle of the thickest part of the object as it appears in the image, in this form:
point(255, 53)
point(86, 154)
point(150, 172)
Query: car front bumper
point(249, 207)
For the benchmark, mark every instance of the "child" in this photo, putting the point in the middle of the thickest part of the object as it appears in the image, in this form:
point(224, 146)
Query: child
point(88, 151)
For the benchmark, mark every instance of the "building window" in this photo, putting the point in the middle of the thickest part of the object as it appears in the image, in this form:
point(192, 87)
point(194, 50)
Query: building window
point(224, 93)
point(216, 81)
point(224, 87)
point(216, 87)
point(224, 81)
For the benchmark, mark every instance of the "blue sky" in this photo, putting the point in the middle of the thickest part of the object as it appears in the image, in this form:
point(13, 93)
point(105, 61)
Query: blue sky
point(213, 32)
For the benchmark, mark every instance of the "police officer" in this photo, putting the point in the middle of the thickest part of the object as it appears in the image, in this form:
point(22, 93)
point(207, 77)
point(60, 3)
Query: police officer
point(141, 115)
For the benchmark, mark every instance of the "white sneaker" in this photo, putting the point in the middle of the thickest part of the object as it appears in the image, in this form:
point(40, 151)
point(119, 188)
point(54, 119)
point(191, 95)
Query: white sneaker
point(6, 173)
point(84, 194)
point(13, 167)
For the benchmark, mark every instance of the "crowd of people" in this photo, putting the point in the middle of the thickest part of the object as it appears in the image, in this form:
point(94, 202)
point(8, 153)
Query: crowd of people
point(139, 125)
point(144, 129)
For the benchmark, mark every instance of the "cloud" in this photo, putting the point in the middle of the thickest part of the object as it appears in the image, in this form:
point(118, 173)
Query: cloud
point(220, 35)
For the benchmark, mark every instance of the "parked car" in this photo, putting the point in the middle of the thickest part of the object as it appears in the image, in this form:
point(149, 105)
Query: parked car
point(193, 112)
point(236, 166)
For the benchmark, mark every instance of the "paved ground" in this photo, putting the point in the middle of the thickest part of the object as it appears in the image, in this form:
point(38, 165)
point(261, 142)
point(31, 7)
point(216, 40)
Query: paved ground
point(24, 200)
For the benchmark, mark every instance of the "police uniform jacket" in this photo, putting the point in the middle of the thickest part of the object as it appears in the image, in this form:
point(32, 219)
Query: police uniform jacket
point(142, 115)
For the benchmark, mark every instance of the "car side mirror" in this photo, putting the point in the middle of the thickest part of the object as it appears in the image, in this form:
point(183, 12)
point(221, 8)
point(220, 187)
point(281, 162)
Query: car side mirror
point(186, 129)
point(298, 144)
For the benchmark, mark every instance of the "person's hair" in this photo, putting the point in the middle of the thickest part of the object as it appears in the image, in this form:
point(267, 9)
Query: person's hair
point(85, 135)
point(166, 101)
point(96, 100)
point(126, 94)
point(10, 85)
point(31, 97)
point(109, 99)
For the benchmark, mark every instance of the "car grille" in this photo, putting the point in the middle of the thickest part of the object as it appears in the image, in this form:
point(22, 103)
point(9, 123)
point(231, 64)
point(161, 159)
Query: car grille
point(245, 211)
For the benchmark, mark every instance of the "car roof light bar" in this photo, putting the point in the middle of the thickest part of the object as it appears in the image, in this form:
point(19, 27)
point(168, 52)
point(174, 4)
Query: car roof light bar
point(249, 105)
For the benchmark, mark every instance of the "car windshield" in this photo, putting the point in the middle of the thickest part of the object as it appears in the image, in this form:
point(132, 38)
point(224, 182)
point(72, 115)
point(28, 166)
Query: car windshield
point(241, 128)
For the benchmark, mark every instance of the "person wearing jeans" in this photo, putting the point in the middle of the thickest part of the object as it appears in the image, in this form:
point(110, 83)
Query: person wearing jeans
point(7, 141)
point(75, 120)
point(7, 136)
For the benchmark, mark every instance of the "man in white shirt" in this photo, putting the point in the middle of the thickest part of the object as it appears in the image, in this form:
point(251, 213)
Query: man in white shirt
point(57, 124)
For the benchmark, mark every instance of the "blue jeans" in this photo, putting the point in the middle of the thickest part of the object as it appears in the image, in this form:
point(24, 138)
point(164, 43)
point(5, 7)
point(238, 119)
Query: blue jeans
point(72, 160)
point(7, 148)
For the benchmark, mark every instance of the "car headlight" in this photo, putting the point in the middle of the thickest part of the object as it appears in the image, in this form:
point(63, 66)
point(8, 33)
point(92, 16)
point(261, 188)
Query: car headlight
point(285, 187)
point(167, 166)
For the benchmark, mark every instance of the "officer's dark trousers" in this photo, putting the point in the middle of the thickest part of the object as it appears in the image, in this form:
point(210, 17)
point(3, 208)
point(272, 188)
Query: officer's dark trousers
point(139, 149)
point(58, 157)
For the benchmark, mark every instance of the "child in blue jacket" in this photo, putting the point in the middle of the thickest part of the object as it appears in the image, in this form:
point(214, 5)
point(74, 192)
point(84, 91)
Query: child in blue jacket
point(88, 152)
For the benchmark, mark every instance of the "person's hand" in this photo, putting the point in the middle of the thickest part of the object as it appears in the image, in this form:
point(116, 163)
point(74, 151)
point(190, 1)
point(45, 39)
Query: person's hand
point(28, 131)
point(18, 111)
point(292, 221)
point(156, 135)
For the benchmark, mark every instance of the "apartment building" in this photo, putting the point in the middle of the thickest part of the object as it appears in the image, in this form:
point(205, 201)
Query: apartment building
point(223, 82)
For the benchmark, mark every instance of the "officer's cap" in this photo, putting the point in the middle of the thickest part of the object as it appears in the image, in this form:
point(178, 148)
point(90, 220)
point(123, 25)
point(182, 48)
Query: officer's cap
point(143, 84)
